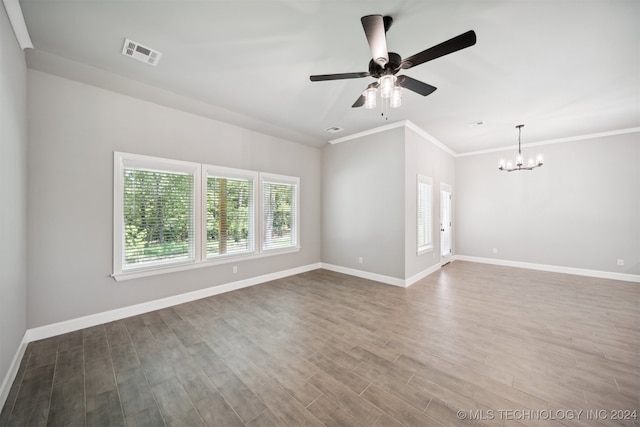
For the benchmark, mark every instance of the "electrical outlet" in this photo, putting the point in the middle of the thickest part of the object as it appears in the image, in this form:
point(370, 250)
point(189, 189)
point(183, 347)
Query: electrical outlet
point(620, 262)
point(495, 250)
point(360, 260)
point(235, 269)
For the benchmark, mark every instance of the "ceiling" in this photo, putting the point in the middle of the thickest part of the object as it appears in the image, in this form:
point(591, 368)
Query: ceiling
point(564, 68)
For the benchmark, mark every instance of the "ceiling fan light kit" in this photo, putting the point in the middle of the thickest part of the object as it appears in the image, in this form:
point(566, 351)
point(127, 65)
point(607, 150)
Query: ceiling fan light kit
point(508, 166)
point(390, 92)
point(384, 65)
point(386, 85)
point(370, 98)
point(396, 97)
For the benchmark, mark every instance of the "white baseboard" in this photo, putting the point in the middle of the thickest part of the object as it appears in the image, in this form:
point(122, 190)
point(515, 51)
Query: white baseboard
point(8, 379)
point(365, 275)
point(413, 279)
point(403, 283)
point(552, 268)
point(133, 310)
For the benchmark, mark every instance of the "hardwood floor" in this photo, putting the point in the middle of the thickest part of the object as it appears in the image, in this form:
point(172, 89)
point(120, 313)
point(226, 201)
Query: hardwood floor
point(471, 344)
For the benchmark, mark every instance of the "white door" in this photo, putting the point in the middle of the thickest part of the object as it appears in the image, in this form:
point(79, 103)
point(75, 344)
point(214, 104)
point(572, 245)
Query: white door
point(445, 223)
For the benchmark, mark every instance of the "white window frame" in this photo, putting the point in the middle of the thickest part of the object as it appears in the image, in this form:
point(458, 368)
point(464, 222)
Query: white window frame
point(223, 172)
point(287, 180)
point(123, 161)
point(201, 172)
point(428, 227)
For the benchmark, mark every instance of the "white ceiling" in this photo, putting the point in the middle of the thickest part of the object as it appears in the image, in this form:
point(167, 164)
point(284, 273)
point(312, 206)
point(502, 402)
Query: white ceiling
point(562, 67)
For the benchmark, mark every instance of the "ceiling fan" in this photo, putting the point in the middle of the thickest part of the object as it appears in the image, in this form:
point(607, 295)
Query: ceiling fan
point(384, 65)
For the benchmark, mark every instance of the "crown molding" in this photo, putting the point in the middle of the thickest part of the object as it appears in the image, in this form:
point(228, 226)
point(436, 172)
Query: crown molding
point(424, 134)
point(555, 141)
point(403, 123)
point(14, 12)
point(368, 132)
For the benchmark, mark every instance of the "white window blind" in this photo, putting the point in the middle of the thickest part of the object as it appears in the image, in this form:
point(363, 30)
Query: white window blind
point(157, 214)
point(230, 215)
point(279, 212)
point(424, 214)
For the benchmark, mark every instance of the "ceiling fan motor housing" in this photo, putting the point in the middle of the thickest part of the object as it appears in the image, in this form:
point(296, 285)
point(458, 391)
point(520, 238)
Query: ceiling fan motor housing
point(391, 67)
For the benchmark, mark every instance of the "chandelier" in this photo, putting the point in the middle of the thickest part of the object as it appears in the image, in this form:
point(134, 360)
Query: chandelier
point(390, 92)
point(519, 166)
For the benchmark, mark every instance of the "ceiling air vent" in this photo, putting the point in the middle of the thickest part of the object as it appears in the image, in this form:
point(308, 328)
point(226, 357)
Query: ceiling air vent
point(141, 53)
point(333, 129)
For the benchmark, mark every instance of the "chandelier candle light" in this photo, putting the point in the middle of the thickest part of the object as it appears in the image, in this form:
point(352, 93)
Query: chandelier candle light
point(519, 166)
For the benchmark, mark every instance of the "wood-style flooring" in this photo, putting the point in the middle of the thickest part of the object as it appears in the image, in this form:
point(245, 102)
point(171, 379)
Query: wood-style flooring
point(471, 344)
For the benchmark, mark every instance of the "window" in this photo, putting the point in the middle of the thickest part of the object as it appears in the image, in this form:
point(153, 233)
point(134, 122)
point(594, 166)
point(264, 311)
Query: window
point(425, 223)
point(172, 215)
point(156, 215)
point(279, 212)
point(230, 220)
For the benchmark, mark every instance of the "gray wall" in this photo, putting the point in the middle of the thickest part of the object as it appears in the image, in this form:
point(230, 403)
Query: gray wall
point(73, 130)
point(580, 210)
point(423, 157)
point(369, 201)
point(13, 199)
point(363, 203)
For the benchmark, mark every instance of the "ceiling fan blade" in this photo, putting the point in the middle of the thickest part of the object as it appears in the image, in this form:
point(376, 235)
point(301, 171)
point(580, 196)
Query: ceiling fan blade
point(374, 29)
point(323, 77)
point(415, 85)
point(452, 45)
point(359, 102)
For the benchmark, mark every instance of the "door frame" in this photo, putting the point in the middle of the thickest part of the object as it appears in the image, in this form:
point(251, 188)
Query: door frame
point(445, 258)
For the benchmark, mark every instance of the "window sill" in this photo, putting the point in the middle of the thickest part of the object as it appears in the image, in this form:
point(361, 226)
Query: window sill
point(425, 249)
point(155, 271)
